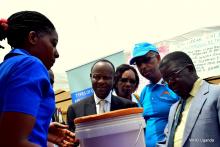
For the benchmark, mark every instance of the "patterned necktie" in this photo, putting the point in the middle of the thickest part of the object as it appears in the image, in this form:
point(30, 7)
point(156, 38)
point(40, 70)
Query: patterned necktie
point(101, 106)
point(176, 122)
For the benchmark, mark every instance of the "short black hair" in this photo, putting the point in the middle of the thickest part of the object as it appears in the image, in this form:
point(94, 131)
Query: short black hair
point(120, 70)
point(21, 23)
point(178, 58)
point(104, 60)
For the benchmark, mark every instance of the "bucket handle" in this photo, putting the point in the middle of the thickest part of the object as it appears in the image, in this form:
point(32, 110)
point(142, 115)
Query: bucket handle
point(139, 133)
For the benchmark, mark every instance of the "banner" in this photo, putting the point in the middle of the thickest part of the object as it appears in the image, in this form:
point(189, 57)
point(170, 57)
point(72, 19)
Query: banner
point(79, 77)
point(79, 95)
point(203, 46)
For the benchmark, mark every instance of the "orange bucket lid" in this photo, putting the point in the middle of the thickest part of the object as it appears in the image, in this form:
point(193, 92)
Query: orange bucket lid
point(111, 114)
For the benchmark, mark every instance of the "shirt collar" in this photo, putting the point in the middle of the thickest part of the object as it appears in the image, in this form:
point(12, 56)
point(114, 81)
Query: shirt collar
point(196, 87)
point(15, 52)
point(160, 82)
point(20, 51)
point(108, 98)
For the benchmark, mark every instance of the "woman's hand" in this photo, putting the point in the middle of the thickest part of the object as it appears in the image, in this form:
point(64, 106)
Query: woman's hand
point(60, 135)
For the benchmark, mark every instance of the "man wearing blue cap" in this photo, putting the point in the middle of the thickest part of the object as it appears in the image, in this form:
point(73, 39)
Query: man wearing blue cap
point(156, 98)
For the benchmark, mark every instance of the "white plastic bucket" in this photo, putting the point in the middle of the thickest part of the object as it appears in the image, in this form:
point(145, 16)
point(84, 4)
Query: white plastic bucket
point(117, 131)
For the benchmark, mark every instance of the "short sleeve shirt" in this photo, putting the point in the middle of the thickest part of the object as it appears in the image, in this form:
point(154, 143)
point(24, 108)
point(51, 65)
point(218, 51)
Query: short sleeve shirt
point(25, 88)
point(156, 100)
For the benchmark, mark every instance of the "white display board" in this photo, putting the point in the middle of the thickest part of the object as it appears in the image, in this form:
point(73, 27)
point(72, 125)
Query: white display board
point(202, 45)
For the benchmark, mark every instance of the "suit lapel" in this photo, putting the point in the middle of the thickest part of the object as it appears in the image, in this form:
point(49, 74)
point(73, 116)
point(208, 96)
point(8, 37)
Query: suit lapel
point(113, 103)
point(90, 106)
point(172, 115)
point(194, 111)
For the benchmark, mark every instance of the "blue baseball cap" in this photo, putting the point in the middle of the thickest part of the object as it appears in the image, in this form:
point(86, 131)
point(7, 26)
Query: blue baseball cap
point(142, 49)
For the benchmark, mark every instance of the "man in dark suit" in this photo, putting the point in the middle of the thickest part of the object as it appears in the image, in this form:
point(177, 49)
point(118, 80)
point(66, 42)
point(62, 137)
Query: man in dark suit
point(102, 76)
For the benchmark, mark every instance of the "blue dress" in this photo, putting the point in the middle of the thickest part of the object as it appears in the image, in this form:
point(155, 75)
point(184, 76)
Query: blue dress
point(25, 88)
point(156, 100)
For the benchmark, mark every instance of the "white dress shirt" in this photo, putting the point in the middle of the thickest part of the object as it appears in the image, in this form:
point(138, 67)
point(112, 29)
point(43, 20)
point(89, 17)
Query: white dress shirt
point(107, 104)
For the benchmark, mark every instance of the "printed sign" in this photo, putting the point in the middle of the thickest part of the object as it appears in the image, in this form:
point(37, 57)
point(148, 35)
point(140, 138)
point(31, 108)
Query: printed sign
point(203, 46)
point(79, 77)
point(79, 95)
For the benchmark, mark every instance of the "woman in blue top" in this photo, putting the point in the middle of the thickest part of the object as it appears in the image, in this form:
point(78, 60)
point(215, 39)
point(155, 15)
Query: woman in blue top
point(27, 99)
point(156, 98)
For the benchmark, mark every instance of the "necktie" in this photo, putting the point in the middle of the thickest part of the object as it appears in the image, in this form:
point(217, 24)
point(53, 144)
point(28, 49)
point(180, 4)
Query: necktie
point(176, 121)
point(101, 106)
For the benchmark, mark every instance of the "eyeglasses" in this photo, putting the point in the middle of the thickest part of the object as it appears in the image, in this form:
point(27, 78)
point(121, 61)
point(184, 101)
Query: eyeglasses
point(125, 80)
point(145, 59)
point(173, 75)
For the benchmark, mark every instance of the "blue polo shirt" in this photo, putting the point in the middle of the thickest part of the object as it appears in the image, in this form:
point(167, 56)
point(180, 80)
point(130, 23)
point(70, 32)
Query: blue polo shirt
point(156, 100)
point(25, 88)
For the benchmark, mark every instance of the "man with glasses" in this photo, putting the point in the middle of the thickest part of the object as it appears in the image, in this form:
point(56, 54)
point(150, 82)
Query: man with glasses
point(156, 98)
point(102, 77)
point(194, 121)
